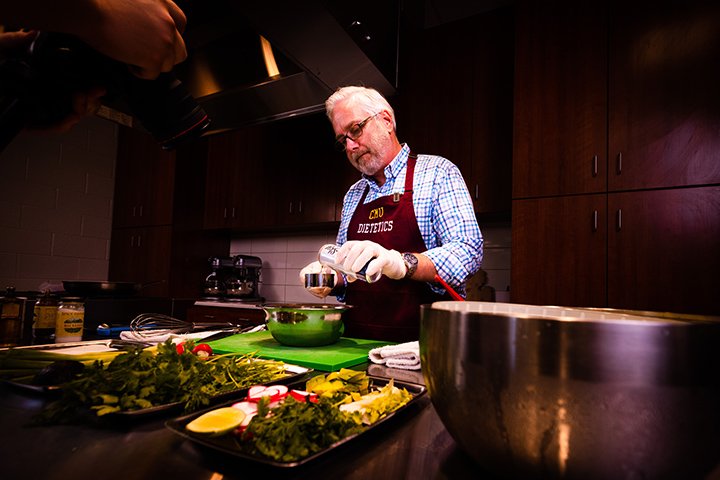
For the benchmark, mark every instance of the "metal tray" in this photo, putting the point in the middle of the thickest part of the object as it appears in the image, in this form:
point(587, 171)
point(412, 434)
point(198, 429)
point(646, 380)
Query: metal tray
point(229, 444)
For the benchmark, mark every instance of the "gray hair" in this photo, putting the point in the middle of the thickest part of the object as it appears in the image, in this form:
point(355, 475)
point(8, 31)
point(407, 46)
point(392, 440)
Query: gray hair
point(368, 98)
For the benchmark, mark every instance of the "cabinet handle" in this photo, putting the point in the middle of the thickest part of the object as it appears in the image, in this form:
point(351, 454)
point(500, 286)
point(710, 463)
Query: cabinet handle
point(300, 206)
point(225, 212)
point(141, 210)
point(595, 221)
point(618, 220)
point(290, 211)
point(619, 163)
point(134, 208)
point(139, 240)
point(132, 241)
point(477, 191)
point(595, 166)
point(209, 317)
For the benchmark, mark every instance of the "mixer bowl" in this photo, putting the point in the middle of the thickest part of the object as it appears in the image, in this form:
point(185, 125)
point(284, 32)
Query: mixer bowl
point(305, 324)
point(551, 392)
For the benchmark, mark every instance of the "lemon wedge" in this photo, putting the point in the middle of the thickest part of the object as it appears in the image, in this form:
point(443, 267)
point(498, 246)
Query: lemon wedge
point(217, 422)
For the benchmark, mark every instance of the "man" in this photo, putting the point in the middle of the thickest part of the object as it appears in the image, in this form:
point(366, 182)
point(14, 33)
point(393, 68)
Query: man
point(410, 216)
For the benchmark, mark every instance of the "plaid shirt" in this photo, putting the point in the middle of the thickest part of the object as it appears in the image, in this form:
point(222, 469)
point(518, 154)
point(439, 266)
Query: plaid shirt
point(444, 212)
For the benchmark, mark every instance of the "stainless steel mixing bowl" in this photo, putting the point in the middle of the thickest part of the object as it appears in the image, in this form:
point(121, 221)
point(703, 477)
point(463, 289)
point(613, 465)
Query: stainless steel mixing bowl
point(305, 324)
point(551, 392)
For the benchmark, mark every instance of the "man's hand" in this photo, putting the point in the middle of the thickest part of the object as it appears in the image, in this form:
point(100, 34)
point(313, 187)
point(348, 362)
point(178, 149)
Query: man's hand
point(317, 267)
point(355, 254)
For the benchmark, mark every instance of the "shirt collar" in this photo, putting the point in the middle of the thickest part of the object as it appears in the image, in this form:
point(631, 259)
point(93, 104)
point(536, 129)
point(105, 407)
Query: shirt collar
point(393, 168)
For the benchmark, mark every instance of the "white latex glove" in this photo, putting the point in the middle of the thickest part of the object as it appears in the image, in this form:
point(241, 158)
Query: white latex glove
point(316, 267)
point(356, 253)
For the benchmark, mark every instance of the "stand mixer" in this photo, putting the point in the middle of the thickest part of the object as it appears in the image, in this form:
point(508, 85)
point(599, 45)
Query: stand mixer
point(233, 278)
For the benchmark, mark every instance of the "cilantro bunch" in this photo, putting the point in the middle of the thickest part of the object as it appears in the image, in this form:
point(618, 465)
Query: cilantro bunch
point(141, 379)
point(295, 430)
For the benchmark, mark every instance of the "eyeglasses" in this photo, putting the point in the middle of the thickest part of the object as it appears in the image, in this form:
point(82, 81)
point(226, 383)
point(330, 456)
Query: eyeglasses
point(353, 133)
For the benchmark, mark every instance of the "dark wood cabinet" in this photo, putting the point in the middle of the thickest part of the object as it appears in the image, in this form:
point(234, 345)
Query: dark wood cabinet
point(145, 174)
point(141, 255)
point(663, 250)
point(560, 120)
point(280, 175)
point(455, 101)
point(558, 250)
point(656, 188)
point(664, 103)
point(165, 247)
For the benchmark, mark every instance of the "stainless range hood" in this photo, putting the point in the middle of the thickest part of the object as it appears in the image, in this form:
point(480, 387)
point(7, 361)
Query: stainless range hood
point(318, 46)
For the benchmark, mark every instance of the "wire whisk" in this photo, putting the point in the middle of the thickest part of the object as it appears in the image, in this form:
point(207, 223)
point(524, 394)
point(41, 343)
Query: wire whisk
point(157, 324)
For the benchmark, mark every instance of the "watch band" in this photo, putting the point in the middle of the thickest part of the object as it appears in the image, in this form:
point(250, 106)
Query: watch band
point(411, 263)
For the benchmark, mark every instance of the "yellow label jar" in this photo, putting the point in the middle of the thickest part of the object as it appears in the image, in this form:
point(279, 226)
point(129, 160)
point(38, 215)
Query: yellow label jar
point(70, 320)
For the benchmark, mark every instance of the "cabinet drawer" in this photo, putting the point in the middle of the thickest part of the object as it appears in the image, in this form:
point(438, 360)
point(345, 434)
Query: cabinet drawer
point(238, 316)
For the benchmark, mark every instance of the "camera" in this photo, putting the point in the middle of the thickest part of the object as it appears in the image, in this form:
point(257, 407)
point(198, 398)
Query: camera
point(36, 90)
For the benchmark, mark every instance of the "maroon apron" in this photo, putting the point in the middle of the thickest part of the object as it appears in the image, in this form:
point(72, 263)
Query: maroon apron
point(387, 309)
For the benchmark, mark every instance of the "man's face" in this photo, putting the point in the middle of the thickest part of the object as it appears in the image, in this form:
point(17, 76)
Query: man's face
point(368, 152)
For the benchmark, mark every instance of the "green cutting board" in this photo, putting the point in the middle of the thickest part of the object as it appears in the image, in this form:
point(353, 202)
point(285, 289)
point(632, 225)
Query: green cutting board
point(346, 352)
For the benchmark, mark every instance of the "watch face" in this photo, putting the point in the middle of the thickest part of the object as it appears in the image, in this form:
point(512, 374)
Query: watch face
point(411, 263)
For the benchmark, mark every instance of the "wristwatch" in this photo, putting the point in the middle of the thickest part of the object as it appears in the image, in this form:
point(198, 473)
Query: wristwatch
point(411, 263)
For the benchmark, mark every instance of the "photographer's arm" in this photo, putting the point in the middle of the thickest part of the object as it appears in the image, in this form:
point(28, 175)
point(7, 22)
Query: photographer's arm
point(145, 34)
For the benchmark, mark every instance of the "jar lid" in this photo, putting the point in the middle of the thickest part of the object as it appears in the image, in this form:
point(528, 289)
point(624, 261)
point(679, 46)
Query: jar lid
point(73, 299)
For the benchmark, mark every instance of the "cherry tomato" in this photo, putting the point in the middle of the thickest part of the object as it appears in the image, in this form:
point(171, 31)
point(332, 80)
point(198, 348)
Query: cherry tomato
point(202, 350)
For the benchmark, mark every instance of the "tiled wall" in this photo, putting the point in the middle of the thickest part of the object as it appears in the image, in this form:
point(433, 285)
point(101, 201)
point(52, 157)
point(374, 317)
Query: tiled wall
point(56, 195)
point(283, 257)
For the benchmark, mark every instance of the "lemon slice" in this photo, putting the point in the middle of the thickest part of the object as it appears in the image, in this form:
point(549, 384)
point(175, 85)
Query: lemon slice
point(217, 422)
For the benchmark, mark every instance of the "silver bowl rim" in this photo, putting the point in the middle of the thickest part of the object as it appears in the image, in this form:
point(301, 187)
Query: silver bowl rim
point(575, 314)
point(305, 306)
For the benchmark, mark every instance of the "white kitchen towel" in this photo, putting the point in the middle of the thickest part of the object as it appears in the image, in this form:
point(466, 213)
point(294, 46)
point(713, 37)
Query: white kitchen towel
point(403, 355)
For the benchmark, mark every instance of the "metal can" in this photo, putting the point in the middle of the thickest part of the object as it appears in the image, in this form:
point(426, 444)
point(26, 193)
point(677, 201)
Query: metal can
point(45, 318)
point(327, 256)
point(70, 320)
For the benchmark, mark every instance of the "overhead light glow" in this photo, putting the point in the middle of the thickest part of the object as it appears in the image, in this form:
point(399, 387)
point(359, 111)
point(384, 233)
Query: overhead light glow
point(269, 58)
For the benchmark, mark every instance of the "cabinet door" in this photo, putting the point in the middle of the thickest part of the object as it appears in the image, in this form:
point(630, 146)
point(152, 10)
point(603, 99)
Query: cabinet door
point(558, 251)
point(145, 176)
point(664, 250)
point(492, 53)
point(142, 255)
point(225, 151)
point(302, 171)
point(664, 104)
point(560, 98)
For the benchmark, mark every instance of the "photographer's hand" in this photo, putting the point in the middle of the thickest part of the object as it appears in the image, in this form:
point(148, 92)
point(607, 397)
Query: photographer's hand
point(144, 34)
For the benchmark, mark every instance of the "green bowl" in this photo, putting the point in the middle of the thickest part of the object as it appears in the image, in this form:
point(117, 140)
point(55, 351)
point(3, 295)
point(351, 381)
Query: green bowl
point(305, 324)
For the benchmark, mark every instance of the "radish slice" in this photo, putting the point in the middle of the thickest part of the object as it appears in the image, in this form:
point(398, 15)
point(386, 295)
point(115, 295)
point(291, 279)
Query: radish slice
point(256, 392)
point(276, 392)
point(303, 396)
point(250, 409)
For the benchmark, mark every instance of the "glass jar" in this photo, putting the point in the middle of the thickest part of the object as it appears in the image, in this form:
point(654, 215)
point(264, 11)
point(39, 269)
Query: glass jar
point(70, 320)
point(45, 318)
point(10, 319)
